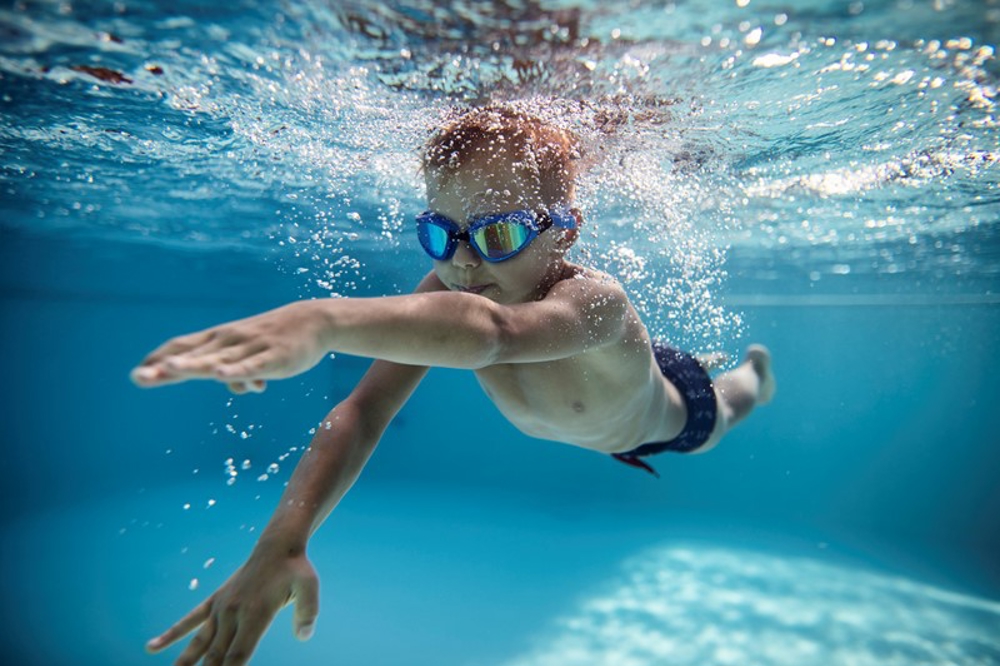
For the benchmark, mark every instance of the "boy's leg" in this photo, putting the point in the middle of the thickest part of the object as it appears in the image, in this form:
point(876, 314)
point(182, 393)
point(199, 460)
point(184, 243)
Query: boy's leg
point(739, 390)
point(746, 386)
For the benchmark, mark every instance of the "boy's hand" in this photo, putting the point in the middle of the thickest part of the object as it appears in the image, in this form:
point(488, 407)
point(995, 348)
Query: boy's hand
point(234, 619)
point(273, 345)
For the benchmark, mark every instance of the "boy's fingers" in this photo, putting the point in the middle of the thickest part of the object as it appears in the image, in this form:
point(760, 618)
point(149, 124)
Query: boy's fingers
point(179, 345)
point(202, 362)
point(182, 628)
point(158, 376)
point(248, 634)
point(219, 647)
point(239, 388)
point(198, 645)
point(256, 367)
point(306, 607)
point(220, 354)
point(154, 370)
point(191, 365)
point(150, 376)
point(205, 361)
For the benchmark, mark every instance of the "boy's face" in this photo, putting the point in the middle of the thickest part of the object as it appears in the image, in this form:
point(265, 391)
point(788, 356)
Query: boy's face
point(496, 185)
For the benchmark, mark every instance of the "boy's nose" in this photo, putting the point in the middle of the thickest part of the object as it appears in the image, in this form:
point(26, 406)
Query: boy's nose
point(465, 256)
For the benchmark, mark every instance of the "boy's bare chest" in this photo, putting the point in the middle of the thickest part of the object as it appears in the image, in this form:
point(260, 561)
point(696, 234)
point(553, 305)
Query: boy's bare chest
point(576, 400)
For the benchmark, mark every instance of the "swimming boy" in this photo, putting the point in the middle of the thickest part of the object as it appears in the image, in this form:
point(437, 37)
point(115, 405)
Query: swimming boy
point(556, 346)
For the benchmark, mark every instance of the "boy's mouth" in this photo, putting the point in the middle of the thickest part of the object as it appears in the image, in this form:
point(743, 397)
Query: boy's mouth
point(471, 289)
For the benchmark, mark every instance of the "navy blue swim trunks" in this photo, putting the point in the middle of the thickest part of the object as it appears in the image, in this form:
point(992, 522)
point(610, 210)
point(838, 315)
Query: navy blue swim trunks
point(685, 372)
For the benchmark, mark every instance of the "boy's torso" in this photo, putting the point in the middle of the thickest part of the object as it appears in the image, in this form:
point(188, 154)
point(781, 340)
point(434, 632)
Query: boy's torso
point(609, 399)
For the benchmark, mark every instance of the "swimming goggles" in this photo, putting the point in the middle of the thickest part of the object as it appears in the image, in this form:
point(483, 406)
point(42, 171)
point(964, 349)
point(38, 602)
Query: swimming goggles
point(495, 237)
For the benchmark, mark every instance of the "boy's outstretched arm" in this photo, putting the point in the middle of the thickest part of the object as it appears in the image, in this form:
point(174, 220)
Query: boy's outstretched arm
point(435, 327)
point(232, 621)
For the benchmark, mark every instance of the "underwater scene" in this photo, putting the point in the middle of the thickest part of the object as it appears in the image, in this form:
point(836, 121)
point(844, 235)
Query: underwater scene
point(820, 177)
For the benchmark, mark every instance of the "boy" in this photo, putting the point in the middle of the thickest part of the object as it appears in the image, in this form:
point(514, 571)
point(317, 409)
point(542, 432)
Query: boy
point(558, 348)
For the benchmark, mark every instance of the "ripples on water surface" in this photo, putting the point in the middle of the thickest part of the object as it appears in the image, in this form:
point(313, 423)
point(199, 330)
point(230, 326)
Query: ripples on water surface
point(816, 140)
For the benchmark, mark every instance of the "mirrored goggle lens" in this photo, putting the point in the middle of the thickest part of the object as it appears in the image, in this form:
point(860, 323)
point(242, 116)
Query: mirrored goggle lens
point(434, 239)
point(501, 239)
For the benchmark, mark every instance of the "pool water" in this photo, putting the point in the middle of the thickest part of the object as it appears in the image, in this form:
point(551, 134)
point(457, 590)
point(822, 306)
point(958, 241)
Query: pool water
point(821, 178)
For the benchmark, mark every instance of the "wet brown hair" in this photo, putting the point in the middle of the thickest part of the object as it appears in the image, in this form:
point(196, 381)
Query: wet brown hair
point(549, 154)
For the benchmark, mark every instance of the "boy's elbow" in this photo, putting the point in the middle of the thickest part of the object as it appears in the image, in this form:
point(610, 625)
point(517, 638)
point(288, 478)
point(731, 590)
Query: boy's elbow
point(364, 420)
point(497, 335)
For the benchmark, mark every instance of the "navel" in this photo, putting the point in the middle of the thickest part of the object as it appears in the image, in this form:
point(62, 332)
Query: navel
point(579, 407)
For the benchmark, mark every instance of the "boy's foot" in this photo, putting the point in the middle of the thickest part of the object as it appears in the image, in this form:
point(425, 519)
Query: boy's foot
point(712, 360)
point(760, 359)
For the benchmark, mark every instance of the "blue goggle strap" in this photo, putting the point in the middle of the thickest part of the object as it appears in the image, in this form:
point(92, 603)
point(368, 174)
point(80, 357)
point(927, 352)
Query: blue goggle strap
point(562, 216)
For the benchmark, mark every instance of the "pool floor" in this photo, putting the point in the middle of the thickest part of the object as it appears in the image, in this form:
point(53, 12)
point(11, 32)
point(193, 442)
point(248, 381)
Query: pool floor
point(447, 577)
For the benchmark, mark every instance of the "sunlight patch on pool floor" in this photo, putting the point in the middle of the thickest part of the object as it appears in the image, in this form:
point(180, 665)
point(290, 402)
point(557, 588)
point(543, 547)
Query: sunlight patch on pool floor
point(695, 605)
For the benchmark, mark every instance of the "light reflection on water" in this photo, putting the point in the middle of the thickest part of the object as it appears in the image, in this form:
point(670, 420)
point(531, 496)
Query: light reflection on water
point(831, 140)
point(703, 605)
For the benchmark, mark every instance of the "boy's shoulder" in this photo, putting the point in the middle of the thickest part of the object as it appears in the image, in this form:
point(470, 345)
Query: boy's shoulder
point(588, 280)
point(592, 292)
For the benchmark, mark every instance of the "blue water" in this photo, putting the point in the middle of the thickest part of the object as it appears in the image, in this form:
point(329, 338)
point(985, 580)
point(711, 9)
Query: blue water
point(826, 186)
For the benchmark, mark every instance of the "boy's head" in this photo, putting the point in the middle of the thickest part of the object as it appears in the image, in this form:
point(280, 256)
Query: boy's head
point(538, 157)
point(487, 162)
